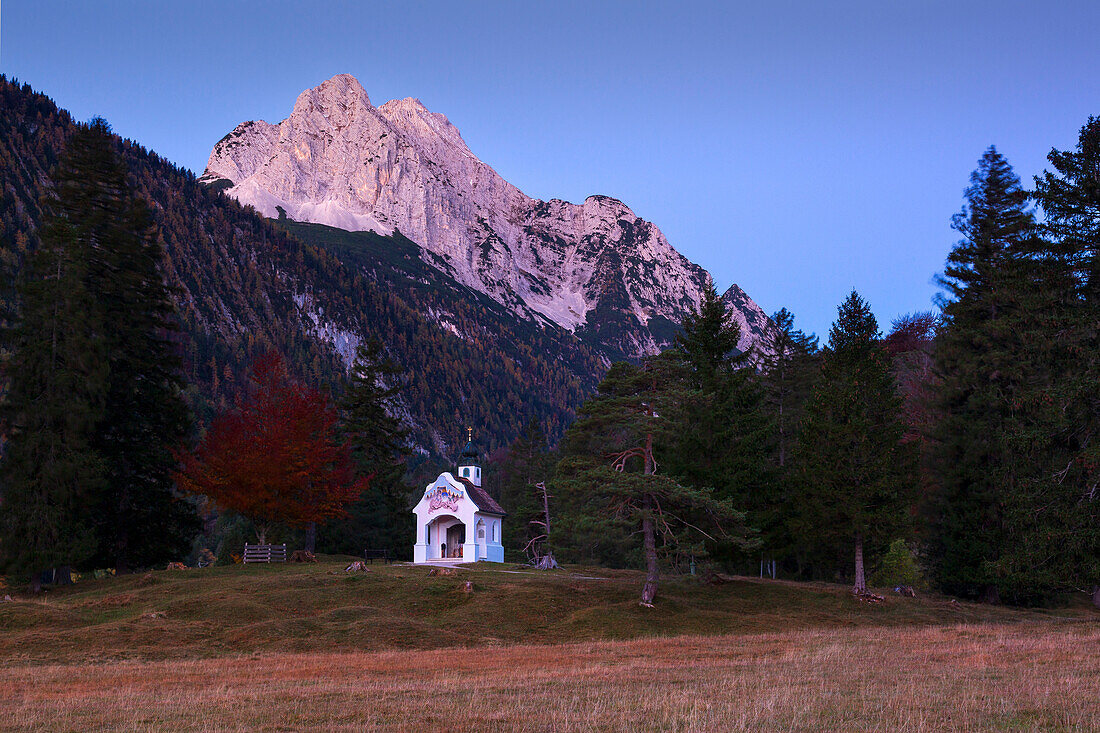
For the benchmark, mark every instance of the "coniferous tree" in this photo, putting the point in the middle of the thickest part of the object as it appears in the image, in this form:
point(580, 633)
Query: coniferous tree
point(382, 517)
point(1058, 511)
point(612, 479)
point(788, 369)
point(978, 353)
point(723, 444)
point(138, 520)
point(855, 487)
point(709, 339)
point(527, 463)
point(57, 385)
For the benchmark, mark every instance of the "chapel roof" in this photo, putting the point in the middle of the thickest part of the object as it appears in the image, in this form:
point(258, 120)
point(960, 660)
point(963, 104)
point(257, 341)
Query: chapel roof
point(481, 498)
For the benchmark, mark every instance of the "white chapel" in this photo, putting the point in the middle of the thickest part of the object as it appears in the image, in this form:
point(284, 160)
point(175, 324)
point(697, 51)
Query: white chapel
point(456, 520)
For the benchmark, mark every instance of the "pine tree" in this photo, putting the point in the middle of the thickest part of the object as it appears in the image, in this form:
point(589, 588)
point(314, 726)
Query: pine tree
point(55, 401)
point(978, 359)
point(369, 420)
point(611, 477)
point(855, 488)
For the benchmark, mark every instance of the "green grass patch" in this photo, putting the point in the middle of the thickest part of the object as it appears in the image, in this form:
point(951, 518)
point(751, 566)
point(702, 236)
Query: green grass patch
point(318, 607)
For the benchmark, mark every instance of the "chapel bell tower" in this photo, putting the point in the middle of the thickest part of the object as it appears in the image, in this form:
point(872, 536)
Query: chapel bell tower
point(469, 464)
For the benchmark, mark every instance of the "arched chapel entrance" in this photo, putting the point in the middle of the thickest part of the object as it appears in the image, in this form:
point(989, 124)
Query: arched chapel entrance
point(456, 535)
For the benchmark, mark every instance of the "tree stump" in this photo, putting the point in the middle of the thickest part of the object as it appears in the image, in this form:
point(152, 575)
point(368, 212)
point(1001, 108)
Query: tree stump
point(547, 562)
point(713, 578)
point(302, 556)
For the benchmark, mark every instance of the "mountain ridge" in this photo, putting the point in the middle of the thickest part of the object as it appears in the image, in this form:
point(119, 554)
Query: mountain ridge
point(339, 160)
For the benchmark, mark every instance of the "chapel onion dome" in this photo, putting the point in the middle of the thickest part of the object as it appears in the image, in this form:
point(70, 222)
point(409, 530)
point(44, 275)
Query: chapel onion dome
point(469, 455)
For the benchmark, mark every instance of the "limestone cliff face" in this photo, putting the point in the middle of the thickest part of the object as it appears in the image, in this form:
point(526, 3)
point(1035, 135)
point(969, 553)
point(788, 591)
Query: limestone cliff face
point(593, 268)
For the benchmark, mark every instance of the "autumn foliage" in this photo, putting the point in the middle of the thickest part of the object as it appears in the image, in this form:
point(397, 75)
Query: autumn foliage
point(276, 456)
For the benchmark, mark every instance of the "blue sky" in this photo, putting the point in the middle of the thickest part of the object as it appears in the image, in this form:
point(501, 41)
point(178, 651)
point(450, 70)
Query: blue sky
point(799, 149)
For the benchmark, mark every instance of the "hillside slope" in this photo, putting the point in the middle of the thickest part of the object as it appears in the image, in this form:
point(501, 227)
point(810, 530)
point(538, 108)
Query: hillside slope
point(245, 284)
point(319, 608)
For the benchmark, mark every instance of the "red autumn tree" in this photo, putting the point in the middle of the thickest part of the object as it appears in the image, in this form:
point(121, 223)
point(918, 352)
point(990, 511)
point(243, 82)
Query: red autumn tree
point(275, 457)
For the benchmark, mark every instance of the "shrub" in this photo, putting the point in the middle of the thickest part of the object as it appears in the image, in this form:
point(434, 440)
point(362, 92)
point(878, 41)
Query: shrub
point(898, 567)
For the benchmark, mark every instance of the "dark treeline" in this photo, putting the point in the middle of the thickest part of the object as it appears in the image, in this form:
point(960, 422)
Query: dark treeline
point(958, 450)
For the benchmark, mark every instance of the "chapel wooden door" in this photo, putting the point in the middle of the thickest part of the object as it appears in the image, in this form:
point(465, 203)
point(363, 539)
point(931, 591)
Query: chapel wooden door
point(456, 535)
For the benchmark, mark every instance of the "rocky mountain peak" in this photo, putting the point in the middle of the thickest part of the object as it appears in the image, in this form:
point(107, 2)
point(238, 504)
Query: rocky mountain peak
point(340, 161)
point(416, 121)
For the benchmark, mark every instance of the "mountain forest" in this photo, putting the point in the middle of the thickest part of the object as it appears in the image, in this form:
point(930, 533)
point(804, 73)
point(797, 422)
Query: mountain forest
point(181, 375)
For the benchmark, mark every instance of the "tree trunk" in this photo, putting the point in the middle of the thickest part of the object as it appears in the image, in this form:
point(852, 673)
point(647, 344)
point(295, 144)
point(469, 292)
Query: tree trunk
point(1096, 595)
point(63, 575)
point(991, 595)
point(546, 507)
point(36, 581)
point(782, 436)
point(860, 585)
point(311, 537)
point(649, 543)
point(261, 534)
point(649, 530)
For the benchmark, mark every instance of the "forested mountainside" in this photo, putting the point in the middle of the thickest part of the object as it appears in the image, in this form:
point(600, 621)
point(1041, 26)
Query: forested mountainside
point(244, 284)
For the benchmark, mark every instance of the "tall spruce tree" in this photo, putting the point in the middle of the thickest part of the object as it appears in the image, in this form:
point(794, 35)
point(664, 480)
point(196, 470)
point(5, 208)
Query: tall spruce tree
point(709, 339)
point(855, 473)
point(788, 369)
point(1060, 506)
point(381, 518)
point(57, 384)
point(138, 520)
point(988, 280)
point(723, 444)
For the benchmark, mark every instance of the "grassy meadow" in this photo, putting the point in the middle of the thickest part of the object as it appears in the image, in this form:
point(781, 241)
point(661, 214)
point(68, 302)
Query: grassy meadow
point(297, 647)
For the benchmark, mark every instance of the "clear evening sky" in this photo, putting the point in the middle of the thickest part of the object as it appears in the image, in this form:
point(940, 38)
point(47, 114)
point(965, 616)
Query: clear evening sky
point(799, 149)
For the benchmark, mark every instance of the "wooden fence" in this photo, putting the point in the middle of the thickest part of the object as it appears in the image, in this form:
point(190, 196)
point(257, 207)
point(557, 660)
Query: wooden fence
point(265, 553)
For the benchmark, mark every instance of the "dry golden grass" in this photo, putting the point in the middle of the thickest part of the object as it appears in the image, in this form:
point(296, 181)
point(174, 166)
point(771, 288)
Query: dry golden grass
point(1027, 676)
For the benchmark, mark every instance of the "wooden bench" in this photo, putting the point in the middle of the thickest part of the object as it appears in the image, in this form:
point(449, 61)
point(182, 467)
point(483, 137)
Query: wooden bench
point(372, 555)
point(264, 553)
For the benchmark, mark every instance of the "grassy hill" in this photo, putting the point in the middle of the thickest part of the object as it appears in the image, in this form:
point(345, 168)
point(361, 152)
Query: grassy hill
point(320, 608)
point(309, 647)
